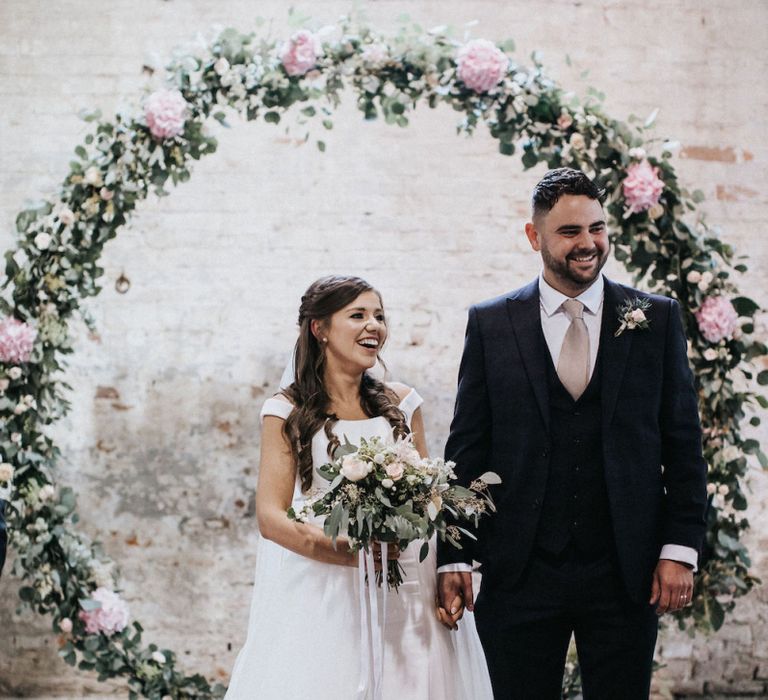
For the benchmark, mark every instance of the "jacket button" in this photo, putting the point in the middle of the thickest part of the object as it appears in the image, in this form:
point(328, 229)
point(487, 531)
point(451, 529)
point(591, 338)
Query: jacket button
point(544, 453)
point(536, 503)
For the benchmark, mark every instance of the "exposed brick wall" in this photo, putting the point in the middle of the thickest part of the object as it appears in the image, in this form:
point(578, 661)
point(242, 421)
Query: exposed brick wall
point(162, 443)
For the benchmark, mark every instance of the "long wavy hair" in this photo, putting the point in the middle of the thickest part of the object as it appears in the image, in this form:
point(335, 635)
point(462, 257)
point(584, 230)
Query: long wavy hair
point(308, 392)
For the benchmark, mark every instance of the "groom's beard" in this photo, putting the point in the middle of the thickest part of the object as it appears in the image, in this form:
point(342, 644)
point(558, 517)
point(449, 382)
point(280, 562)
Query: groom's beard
point(568, 269)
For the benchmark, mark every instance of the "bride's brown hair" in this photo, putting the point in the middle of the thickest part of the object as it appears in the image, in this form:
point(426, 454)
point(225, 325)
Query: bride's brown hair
point(308, 393)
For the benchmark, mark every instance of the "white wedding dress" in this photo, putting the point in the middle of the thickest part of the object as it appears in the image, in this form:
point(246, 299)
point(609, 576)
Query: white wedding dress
point(304, 639)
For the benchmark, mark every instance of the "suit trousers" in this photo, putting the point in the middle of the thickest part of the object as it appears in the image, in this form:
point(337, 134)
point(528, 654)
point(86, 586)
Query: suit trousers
point(526, 630)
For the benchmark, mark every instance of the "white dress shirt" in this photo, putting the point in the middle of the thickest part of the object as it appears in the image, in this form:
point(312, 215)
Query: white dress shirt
point(555, 323)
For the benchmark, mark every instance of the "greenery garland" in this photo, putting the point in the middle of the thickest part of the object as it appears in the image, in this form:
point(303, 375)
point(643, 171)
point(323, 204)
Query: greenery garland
point(657, 233)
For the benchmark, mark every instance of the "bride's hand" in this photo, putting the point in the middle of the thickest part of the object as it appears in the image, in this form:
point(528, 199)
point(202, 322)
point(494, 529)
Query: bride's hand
point(393, 552)
point(445, 618)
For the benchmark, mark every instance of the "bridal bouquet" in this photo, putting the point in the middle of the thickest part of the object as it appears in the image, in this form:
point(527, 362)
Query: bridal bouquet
point(387, 492)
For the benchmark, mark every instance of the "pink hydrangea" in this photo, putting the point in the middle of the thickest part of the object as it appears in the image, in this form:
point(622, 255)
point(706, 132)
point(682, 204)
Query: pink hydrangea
point(717, 319)
point(111, 617)
point(481, 65)
point(165, 112)
point(300, 53)
point(16, 341)
point(642, 187)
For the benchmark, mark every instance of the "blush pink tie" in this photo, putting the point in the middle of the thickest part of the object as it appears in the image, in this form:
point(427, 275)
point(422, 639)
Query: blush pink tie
point(573, 365)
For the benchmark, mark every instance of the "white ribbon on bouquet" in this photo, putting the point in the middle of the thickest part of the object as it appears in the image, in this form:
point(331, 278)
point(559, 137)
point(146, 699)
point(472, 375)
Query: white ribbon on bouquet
point(371, 626)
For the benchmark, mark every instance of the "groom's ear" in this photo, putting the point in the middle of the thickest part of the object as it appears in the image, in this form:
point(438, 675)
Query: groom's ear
point(533, 235)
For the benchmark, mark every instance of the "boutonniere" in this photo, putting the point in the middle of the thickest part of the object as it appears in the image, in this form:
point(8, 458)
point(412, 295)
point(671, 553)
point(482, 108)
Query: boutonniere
point(632, 315)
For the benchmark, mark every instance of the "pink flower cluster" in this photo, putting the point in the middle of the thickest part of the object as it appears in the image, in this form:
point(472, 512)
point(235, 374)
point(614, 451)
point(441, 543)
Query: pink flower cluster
point(300, 53)
point(165, 112)
point(16, 341)
point(642, 187)
point(111, 617)
point(481, 65)
point(717, 319)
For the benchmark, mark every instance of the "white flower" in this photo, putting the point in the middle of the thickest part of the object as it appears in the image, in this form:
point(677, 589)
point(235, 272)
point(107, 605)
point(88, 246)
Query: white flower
point(723, 489)
point(4, 382)
point(46, 493)
point(6, 471)
point(157, 656)
point(379, 458)
point(65, 625)
point(731, 453)
point(387, 483)
point(693, 276)
point(221, 66)
point(711, 488)
point(637, 315)
point(14, 372)
point(42, 240)
point(577, 141)
point(354, 468)
point(637, 152)
point(93, 176)
point(710, 354)
point(705, 281)
point(20, 408)
point(16, 438)
point(656, 211)
point(67, 216)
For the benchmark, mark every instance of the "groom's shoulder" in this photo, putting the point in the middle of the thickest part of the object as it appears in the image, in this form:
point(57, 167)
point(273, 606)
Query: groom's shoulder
point(500, 302)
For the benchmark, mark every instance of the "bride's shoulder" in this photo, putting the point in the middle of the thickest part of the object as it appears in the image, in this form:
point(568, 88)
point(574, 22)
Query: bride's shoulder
point(398, 390)
point(278, 405)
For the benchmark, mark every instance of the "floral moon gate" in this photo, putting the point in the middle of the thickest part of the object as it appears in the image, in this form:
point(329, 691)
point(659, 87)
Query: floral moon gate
point(658, 236)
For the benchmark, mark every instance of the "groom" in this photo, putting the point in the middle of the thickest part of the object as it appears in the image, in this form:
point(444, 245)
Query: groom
point(596, 437)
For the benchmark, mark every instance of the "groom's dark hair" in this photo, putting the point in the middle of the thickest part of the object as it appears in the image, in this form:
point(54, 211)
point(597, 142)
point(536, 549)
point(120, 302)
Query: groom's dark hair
point(558, 182)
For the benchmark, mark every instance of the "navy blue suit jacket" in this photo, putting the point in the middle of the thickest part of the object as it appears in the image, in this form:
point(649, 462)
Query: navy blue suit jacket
point(651, 436)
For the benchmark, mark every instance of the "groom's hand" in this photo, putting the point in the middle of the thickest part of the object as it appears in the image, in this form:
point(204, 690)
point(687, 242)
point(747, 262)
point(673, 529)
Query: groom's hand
point(454, 592)
point(672, 587)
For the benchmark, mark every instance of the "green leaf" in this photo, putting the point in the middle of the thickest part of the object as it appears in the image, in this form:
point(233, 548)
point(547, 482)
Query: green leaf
point(490, 478)
point(745, 306)
point(506, 149)
point(321, 146)
point(423, 552)
point(81, 152)
point(761, 457)
point(272, 117)
point(762, 378)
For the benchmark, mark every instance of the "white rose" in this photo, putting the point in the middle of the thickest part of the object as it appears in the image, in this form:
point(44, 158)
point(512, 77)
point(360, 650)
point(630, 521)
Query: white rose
point(354, 468)
point(14, 372)
point(706, 279)
point(387, 483)
point(4, 382)
point(20, 408)
point(577, 141)
point(42, 240)
point(221, 66)
point(65, 625)
point(379, 458)
point(6, 471)
point(710, 354)
point(711, 488)
point(693, 276)
point(46, 493)
point(157, 656)
point(637, 152)
point(67, 216)
point(93, 176)
point(723, 489)
point(637, 315)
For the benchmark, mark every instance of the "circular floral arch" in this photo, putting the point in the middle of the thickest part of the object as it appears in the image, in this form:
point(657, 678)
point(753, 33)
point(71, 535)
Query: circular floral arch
point(657, 233)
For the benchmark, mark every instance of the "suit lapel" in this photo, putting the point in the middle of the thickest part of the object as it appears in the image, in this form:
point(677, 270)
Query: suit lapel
point(525, 318)
point(613, 351)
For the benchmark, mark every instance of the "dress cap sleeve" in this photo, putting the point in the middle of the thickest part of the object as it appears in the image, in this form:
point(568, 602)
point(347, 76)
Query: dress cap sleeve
point(276, 407)
point(410, 403)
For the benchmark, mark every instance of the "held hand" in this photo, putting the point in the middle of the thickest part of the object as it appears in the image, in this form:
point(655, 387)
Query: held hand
point(672, 586)
point(454, 593)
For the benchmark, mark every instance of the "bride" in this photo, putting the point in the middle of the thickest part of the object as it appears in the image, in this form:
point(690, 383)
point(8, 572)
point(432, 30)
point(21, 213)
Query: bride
point(304, 632)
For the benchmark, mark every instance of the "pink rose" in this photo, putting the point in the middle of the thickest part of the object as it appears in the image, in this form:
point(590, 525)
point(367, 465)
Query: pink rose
point(111, 617)
point(65, 625)
point(16, 341)
point(481, 65)
point(642, 187)
point(300, 53)
point(637, 315)
point(165, 112)
point(394, 470)
point(354, 468)
point(717, 319)
point(564, 121)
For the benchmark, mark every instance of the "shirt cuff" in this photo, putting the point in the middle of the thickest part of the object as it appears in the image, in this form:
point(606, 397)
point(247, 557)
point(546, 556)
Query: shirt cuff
point(680, 553)
point(452, 568)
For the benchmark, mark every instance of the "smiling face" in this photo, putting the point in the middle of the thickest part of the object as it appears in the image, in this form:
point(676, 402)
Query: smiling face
point(355, 334)
point(573, 240)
